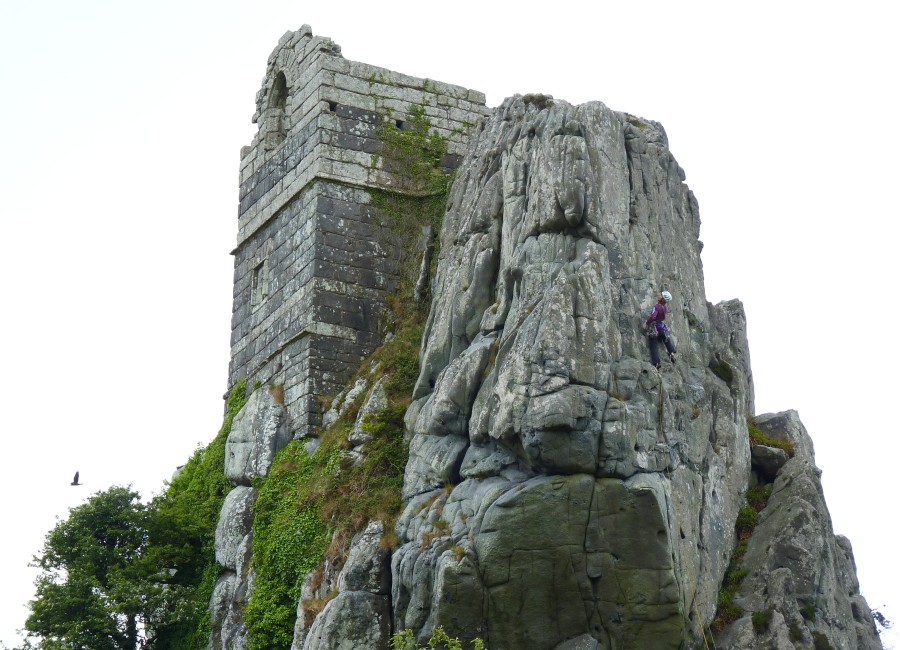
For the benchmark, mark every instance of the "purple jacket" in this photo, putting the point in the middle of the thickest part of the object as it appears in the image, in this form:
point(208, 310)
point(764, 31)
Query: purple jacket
point(657, 316)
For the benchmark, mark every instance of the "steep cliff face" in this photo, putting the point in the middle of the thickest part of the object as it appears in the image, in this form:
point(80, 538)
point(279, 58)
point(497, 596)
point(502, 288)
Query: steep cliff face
point(582, 491)
point(559, 487)
point(801, 579)
point(561, 492)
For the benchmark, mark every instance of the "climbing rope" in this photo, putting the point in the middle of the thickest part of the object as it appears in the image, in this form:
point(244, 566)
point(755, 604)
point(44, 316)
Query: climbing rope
point(662, 432)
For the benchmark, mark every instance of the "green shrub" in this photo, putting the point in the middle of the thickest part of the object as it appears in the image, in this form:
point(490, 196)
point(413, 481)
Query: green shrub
point(746, 520)
point(722, 370)
point(310, 506)
point(186, 515)
point(758, 437)
point(289, 539)
point(758, 496)
point(808, 611)
point(821, 642)
point(439, 640)
point(761, 620)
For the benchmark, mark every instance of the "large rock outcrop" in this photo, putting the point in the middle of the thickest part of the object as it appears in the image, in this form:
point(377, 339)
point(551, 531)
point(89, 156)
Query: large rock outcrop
point(801, 578)
point(560, 491)
point(257, 432)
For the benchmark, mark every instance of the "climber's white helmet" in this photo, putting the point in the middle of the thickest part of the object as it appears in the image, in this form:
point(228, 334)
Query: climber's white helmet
point(667, 296)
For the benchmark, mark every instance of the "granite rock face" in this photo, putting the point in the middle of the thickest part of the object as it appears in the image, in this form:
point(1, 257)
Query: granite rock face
point(257, 433)
point(799, 572)
point(359, 616)
point(561, 492)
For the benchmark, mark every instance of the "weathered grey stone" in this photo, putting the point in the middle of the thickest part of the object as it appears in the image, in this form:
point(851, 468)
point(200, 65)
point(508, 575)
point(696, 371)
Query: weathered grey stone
point(258, 431)
point(221, 597)
point(583, 642)
point(534, 371)
point(368, 564)
point(433, 462)
point(342, 401)
point(376, 401)
point(235, 521)
point(787, 426)
point(228, 631)
point(560, 492)
point(317, 585)
point(314, 261)
point(797, 568)
point(354, 620)
point(767, 461)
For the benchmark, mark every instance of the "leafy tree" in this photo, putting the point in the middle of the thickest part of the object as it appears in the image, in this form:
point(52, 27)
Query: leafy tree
point(97, 585)
point(120, 574)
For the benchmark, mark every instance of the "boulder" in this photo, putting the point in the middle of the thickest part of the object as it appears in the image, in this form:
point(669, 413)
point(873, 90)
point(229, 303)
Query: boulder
point(354, 620)
point(799, 572)
point(235, 523)
point(258, 431)
point(552, 468)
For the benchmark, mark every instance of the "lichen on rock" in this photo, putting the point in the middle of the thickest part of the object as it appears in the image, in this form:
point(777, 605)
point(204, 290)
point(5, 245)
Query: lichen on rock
point(612, 487)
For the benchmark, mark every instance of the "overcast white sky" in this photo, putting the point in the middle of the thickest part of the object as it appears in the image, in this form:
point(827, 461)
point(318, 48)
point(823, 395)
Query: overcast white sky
point(122, 124)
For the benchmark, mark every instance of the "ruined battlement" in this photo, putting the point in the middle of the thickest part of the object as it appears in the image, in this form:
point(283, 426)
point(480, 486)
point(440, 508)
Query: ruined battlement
point(314, 261)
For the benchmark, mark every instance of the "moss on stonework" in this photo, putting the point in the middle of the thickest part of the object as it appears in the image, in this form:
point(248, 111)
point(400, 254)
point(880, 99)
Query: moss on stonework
point(413, 153)
point(310, 506)
point(727, 611)
point(721, 369)
point(759, 437)
point(194, 498)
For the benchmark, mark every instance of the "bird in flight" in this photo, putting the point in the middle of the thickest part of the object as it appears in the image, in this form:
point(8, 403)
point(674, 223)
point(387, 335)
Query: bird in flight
point(75, 480)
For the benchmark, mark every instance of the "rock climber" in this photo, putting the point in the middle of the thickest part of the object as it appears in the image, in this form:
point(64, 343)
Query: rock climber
point(657, 330)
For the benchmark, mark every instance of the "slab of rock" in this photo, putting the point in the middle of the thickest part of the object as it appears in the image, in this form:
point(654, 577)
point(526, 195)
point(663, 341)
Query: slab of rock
point(258, 431)
point(376, 401)
point(766, 461)
point(354, 620)
point(235, 523)
point(367, 567)
point(581, 481)
point(802, 573)
point(228, 631)
point(359, 616)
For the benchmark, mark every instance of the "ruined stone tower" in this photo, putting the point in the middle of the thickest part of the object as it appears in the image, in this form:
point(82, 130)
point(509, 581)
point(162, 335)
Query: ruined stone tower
point(313, 261)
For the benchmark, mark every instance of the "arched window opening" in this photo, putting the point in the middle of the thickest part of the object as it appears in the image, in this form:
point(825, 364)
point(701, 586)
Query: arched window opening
point(276, 118)
point(278, 96)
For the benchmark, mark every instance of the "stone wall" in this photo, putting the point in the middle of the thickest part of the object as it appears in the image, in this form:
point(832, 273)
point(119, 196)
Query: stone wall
point(314, 260)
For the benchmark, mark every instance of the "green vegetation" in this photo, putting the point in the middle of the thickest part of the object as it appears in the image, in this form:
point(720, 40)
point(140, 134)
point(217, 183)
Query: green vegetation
point(151, 590)
point(118, 573)
point(758, 437)
point(746, 520)
point(310, 506)
point(191, 506)
point(761, 620)
point(722, 369)
point(96, 576)
point(289, 539)
point(821, 642)
point(808, 611)
point(439, 640)
point(412, 152)
point(758, 496)
point(727, 610)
